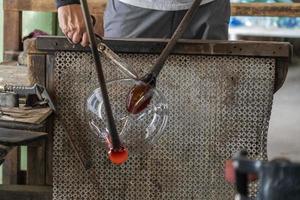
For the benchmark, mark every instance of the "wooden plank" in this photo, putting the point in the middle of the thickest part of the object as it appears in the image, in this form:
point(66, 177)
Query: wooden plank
point(266, 9)
point(36, 163)
point(237, 9)
point(11, 167)
point(22, 126)
point(25, 192)
point(49, 151)
point(36, 65)
point(36, 69)
point(50, 66)
point(25, 115)
point(12, 34)
point(42, 154)
point(96, 6)
point(14, 137)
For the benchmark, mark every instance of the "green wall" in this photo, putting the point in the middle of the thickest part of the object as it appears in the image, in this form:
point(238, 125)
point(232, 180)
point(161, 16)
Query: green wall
point(38, 20)
point(46, 22)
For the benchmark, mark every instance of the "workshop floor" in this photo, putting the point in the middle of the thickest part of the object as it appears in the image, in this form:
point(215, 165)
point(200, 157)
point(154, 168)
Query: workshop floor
point(284, 130)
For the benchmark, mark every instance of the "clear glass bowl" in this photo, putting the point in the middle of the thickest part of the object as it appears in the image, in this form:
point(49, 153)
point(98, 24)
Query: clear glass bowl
point(138, 132)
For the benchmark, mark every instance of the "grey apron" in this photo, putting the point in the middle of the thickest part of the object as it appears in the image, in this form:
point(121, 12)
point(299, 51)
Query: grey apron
point(126, 21)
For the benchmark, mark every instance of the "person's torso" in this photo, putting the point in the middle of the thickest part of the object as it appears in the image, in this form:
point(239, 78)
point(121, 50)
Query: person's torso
point(163, 4)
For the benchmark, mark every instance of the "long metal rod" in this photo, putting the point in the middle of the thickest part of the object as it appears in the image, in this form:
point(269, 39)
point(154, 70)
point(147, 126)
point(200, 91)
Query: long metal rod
point(84, 161)
point(110, 119)
point(177, 34)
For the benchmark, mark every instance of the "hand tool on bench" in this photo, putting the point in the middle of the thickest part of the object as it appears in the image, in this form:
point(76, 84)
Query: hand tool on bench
point(10, 98)
point(9, 110)
point(36, 95)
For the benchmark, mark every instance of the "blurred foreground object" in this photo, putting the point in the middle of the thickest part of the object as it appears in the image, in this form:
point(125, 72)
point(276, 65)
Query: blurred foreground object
point(278, 179)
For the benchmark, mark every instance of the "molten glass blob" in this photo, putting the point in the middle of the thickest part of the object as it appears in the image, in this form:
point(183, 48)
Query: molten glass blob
point(138, 131)
point(139, 97)
point(118, 156)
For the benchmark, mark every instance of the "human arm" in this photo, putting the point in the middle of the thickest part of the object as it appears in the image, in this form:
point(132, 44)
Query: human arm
point(71, 21)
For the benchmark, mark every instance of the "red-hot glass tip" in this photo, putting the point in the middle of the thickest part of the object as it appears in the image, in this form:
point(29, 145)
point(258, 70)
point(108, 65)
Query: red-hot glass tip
point(118, 156)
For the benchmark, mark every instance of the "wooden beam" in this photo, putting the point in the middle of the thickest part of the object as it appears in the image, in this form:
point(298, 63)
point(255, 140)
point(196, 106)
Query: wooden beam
point(36, 163)
point(14, 137)
point(49, 151)
point(12, 34)
point(96, 6)
point(25, 192)
point(237, 9)
point(11, 167)
point(266, 9)
point(36, 68)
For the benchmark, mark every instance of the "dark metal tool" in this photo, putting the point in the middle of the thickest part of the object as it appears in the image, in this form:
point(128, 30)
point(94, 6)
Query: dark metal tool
point(8, 99)
point(241, 177)
point(24, 91)
point(116, 143)
point(140, 95)
point(121, 65)
point(278, 179)
point(171, 44)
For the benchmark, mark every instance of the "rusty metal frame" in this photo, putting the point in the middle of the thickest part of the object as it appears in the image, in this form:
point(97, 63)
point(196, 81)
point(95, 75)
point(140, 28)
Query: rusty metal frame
point(279, 50)
point(184, 46)
point(282, 51)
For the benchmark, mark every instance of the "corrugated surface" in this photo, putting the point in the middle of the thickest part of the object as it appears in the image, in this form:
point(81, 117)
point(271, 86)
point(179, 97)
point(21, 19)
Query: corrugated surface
point(218, 105)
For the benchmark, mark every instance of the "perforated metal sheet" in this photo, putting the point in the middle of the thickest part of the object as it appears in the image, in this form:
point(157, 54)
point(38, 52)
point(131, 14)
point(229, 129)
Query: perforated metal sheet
point(218, 105)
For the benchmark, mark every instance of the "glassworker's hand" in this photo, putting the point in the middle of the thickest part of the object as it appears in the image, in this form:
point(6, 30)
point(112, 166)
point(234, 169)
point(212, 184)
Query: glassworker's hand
point(71, 22)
